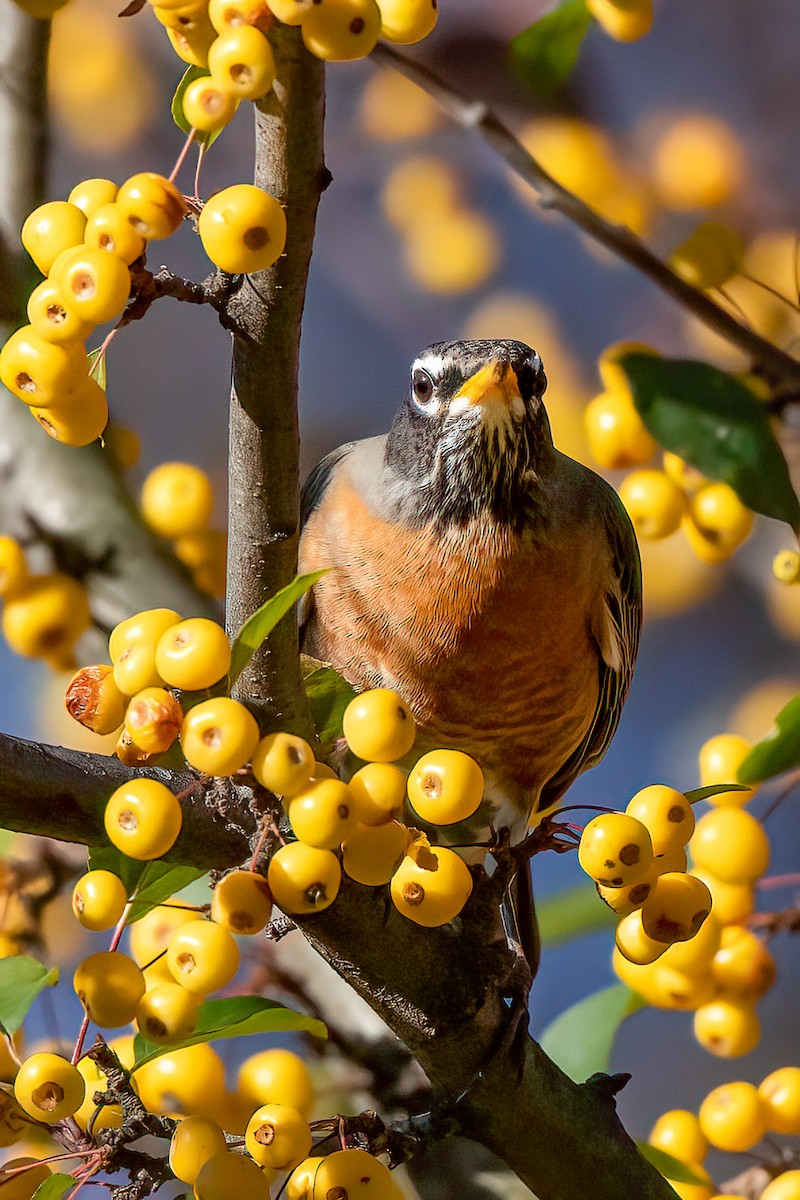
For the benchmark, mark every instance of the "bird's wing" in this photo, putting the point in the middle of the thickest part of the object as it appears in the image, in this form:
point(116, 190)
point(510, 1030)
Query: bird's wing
point(618, 621)
point(310, 499)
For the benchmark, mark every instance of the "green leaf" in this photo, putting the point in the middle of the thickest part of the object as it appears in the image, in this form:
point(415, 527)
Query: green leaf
point(545, 53)
point(109, 858)
point(671, 1168)
point(779, 751)
point(572, 913)
point(97, 367)
point(581, 1038)
point(189, 76)
point(21, 980)
point(237, 1016)
point(54, 1187)
point(715, 423)
point(329, 694)
point(714, 789)
point(158, 882)
point(258, 627)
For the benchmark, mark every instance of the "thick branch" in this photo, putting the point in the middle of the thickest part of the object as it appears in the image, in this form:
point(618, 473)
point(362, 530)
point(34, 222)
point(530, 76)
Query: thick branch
point(264, 438)
point(475, 116)
point(62, 794)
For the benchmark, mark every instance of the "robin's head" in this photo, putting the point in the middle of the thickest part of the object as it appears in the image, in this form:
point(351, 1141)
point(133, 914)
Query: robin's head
point(472, 433)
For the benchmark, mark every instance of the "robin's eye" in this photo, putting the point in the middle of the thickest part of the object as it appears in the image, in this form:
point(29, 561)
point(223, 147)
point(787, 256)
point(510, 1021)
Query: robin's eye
point(531, 379)
point(422, 388)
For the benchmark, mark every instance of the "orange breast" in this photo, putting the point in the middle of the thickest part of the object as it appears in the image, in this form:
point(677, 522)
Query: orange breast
point(485, 634)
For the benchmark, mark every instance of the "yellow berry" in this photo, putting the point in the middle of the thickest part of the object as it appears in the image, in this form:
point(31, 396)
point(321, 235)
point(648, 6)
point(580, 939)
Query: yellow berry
point(13, 1122)
point(227, 1175)
point(323, 771)
point(380, 792)
point(202, 956)
point(324, 814)
point(290, 12)
point(354, 1174)
point(445, 786)
point(283, 763)
point(785, 1187)
point(153, 719)
point(727, 1028)
point(720, 518)
point(193, 45)
point(193, 654)
point(709, 256)
point(241, 61)
point(431, 885)
point(731, 844)
point(40, 373)
point(278, 1136)
point(743, 966)
point(664, 986)
point(232, 14)
point(720, 759)
point(682, 473)
point(135, 670)
point(341, 30)
point(167, 1013)
point(94, 284)
point(177, 499)
point(780, 1100)
point(654, 503)
point(612, 374)
point(110, 1115)
point(634, 943)
point(378, 726)
point(243, 229)
point(676, 908)
point(151, 204)
point(48, 1088)
point(51, 229)
point(47, 617)
point(732, 1117)
point(617, 435)
point(108, 229)
point(303, 879)
point(188, 15)
point(697, 954)
point(678, 1133)
point(150, 938)
point(448, 253)
point(697, 163)
point(207, 106)
point(616, 850)
point(142, 628)
point(300, 1184)
point(732, 902)
point(99, 899)
point(194, 1142)
point(128, 753)
point(14, 569)
point(433, 184)
point(206, 555)
point(91, 194)
point(182, 1082)
point(676, 860)
point(17, 1184)
point(80, 420)
point(667, 814)
point(276, 1077)
point(372, 853)
point(625, 900)
point(241, 902)
point(785, 564)
point(219, 736)
point(143, 819)
point(623, 20)
point(109, 985)
point(407, 21)
point(51, 319)
point(694, 1191)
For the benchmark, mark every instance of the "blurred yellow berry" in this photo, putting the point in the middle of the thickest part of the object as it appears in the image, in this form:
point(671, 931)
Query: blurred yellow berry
point(727, 1028)
point(451, 253)
point(394, 108)
point(617, 435)
point(719, 760)
point(731, 844)
point(47, 617)
point(709, 256)
point(697, 163)
point(276, 1076)
point(780, 1098)
point(623, 20)
point(13, 567)
point(732, 1117)
point(678, 1133)
point(654, 503)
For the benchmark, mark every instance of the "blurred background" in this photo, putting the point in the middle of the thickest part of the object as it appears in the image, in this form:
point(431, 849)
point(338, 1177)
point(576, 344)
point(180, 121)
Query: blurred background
point(424, 236)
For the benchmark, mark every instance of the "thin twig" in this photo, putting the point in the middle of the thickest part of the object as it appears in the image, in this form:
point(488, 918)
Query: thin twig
point(182, 156)
point(477, 117)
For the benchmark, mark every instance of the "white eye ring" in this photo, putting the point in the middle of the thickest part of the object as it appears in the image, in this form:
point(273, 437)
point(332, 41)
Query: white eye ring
point(422, 390)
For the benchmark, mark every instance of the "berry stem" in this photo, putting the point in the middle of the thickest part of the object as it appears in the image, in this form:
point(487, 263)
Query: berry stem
point(182, 156)
point(78, 1051)
point(96, 1152)
point(779, 881)
point(262, 837)
point(772, 291)
point(201, 153)
point(117, 935)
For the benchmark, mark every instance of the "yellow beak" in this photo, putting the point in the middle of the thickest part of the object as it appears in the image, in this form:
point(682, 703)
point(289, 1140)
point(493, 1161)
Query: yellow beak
point(496, 381)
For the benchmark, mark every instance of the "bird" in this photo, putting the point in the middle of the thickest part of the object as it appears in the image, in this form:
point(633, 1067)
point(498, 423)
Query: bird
point(489, 579)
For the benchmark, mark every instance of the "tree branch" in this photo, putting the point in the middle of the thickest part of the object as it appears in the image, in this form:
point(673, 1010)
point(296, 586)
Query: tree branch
point(264, 439)
point(475, 116)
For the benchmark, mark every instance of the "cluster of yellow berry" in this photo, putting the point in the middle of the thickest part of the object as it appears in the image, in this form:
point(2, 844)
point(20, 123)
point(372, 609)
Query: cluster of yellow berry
point(43, 615)
point(660, 502)
point(637, 860)
point(726, 969)
point(734, 1118)
point(177, 501)
point(623, 20)
point(340, 30)
point(428, 884)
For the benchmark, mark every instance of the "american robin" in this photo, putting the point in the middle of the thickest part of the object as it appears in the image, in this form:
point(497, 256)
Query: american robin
point(491, 580)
